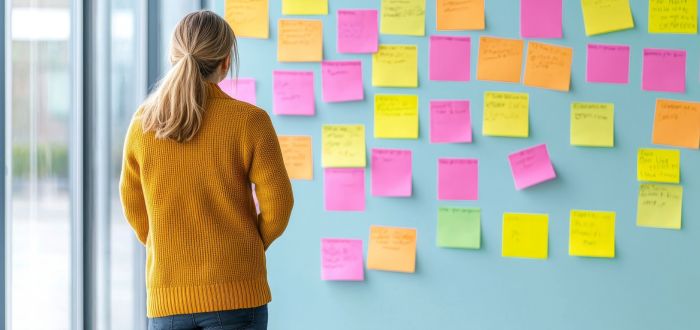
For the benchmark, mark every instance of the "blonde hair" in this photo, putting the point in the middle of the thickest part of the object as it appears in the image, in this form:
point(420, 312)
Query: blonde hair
point(201, 41)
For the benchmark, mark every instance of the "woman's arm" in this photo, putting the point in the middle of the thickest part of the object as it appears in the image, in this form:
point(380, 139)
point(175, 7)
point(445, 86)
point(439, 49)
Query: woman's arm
point(131, 191)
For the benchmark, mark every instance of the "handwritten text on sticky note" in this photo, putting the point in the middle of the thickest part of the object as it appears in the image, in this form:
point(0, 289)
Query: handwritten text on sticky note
point(673, 16)
point(341, 260)
point(459, 227)
point(592, 234)
point(603, 16)
point(525, 235)
point(608, 63)
point(395, 66)
point(506, 114)
point(460, 15)
point(458, 179)
point(677, 123)
point(342, 81)
point(500, 59)
point(660, 206)
point(343, 146)
point(450, 58)
point(249, 18)
point(298, 157)
point(392, 172)
point(293, 93)
point(531, 166)
point(300, 41)
point(392, 249)
point(659, 165)
point(357, 31)
point(663, 70)
point(395, 116)
point(592, 124)
point(403, 17)
point(548, 66)
point(450, 121)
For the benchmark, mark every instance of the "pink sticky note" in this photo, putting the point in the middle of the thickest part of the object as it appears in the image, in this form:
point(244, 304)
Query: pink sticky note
point(344, 189)
point(664, 70)
point(357, 31)
point(293, 93)
point(540, 18)
point(242, 89)
point(255, 200)
point(391, 172)
point(341, 260)
point(531, 166)
point(449, 58)
point(608, 64)
point(450, 121)
point(458, 179)
point(342, 81)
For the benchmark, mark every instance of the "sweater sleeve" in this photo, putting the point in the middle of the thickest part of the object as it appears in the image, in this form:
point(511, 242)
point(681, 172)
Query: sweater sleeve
point(268, 173)
point(131, 192)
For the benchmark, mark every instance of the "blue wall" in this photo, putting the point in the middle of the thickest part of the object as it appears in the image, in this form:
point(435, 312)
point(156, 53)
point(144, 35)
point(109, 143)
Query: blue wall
point(652, 284)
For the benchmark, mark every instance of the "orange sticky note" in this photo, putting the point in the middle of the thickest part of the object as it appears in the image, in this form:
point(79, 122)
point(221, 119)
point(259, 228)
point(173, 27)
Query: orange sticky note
point(300, 40)
point(677, 123)
point(249, 18)
point(297, 155)
point(460, 15)
point(392, 249)
point(548, 66)
point(500, 59)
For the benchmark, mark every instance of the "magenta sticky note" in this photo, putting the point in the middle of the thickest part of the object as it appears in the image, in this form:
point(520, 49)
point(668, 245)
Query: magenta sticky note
point(344, 189)
point(531, 166)
point(341, 81)
point(450, 58)
point(663, 70)
point(341, 260)
point(540, 18)
point(391, 172)
point(358, 31)
point(458, 179)
point(293, 93)
point(608, 64)
point(450, 121)
point(242, 89)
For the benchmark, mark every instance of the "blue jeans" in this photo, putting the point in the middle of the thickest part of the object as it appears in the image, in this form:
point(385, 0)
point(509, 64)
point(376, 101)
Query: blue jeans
point(235, 319)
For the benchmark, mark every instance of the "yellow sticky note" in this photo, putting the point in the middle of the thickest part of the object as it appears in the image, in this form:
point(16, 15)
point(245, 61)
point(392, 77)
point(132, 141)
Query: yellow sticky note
point(660, 206)
point(460, 15)
point(392, 249)
point(525, 235)
point(548, 66)
point(248, 18)
point(506, 114)
point(500, 59)
point(395, 116)
point(343, 146)
point(592, 124)
point(592, 234)
point(403, 17)
point(395, 66)
point(300, 41)
point(603, 16)
point(297, 155)
point(659, 165)
point(673, 16)
point(304, 7)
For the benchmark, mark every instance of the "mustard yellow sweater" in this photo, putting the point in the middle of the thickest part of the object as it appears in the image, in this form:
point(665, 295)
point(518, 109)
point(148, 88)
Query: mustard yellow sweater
point(191, 205)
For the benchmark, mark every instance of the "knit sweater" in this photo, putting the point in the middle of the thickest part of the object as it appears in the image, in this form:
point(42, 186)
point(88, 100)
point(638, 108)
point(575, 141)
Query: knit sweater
point(191, 205)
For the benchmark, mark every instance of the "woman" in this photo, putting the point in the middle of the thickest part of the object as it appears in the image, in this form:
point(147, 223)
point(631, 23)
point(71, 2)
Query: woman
point(190, 157)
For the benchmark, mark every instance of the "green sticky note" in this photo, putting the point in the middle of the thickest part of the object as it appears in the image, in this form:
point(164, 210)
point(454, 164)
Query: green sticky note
point(592, 124)
point(660, 206)
point(459, 228)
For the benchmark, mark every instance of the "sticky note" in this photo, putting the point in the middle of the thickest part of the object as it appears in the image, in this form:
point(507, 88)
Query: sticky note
point(659, 165)
point(593, 124)
point(297, 156)
point(342, 81)
point(304, 7)
point(403, 17)
point(395, 66)
point(255, 199)
point(459, 227)
point(450, 58)
point(343, 146)
point(392, 172)
point(531, 166)
point(395, 116)
point(608, 64)
point(677, 123)
point(344, 189)
point(506, 114)
point(341, 260)
point(603, 16)
point(525, 235)
point(663, 70)
point(592, 234)
point(249, 18)
point(358, 31)
point(548, 66)
point(300, 40)
point(460, 15)
point(458, 179)
point(673, 16)
point(293, 93)
point(500, 59)
point(660, 206)
point(242, 89)
point(450, 121)
point(392, 249)
point(540, 18)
